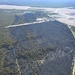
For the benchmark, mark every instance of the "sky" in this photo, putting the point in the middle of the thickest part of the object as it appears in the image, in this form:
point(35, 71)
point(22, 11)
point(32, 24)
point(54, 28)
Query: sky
point(40, 2)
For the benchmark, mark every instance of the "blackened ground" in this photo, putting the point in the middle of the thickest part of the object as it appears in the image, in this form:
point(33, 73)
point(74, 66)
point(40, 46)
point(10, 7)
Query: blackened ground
point(51, 42)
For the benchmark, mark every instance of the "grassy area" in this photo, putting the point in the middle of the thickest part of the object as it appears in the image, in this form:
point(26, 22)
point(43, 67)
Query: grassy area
point(73, 28)
point(5, 42)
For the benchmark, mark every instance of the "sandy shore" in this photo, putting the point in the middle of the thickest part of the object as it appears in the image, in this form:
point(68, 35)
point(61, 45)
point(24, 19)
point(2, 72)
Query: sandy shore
point(67, 14)
point(14, 7)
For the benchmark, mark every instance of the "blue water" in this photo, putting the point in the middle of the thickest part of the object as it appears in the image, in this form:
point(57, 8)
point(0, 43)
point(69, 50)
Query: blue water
point(42, 4)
